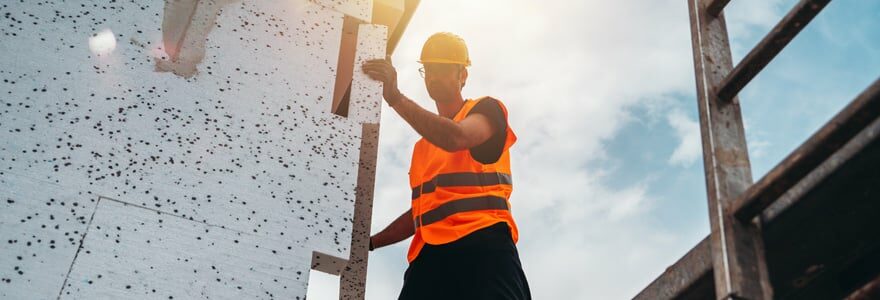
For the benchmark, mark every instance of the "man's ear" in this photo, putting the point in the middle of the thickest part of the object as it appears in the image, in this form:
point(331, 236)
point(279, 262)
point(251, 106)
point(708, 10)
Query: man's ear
point(464, 76)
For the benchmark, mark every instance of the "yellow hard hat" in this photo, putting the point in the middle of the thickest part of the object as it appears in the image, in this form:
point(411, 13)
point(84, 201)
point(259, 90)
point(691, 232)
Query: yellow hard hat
point(445, 48)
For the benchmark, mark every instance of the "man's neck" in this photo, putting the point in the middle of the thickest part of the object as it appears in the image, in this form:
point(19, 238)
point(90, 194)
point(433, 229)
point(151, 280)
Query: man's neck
point(449, 108)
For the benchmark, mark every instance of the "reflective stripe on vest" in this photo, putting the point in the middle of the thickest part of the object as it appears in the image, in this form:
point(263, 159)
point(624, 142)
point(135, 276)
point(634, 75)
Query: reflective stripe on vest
point(460, 179)
point(461, 205)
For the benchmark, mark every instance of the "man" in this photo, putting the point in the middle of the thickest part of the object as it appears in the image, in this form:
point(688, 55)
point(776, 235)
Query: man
point(463, 232)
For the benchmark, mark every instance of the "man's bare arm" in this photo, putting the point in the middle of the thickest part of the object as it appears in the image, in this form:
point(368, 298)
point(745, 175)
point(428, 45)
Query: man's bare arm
point(442, 132)
point(400, 229)
point(450, 136)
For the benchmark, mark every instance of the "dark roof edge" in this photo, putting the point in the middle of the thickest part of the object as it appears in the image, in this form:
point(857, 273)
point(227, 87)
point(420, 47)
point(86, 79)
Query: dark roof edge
point(409, 7)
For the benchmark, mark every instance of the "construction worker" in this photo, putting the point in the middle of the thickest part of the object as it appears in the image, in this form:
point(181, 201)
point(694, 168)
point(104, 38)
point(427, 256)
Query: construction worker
point(464, 236)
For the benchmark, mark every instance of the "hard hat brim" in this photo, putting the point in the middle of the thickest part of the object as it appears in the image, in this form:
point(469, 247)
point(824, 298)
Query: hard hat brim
point(444, 61)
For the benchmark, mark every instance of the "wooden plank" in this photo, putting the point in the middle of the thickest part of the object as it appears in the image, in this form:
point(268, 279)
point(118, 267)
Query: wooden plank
point(739, 269)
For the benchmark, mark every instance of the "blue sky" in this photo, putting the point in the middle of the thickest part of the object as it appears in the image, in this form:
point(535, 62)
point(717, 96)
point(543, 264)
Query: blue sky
point(821, 71)
point(608, 168)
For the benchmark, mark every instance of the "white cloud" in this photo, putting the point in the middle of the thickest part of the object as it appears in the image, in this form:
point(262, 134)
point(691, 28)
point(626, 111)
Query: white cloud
point(757, 140)
point(689, 150)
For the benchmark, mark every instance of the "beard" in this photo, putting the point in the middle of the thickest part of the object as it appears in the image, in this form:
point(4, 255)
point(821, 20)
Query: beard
point(442, 92)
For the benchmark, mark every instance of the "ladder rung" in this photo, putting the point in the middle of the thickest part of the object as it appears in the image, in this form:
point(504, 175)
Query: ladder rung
point(715, 7)
point(769, 47)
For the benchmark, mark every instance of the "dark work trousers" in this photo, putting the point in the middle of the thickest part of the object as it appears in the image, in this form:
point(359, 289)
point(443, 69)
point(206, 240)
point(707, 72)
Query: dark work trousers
point(482, 265)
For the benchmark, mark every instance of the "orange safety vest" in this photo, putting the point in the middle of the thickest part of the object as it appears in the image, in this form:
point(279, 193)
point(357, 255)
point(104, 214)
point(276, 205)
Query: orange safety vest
point(454, 195)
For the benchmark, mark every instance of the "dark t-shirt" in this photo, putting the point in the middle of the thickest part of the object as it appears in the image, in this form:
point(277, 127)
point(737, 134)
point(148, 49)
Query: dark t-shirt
point(489, 151)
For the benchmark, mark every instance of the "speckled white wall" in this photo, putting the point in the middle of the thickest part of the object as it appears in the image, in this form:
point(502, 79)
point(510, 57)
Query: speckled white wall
point(124, 174)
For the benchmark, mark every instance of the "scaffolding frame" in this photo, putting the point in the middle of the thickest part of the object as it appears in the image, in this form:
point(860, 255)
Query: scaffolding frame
point(731, 263)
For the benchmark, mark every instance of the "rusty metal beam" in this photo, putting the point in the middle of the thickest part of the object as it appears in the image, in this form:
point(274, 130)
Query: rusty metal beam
point(737, 251)
point(686, 278)
point(835, 203)
point(820, 173)
point(714, 8)
point(682, 276)
point(769, 47)
point(869, 291)
point(816, 150)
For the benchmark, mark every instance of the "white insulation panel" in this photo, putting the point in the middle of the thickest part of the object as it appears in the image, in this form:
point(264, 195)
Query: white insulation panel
point(127, 171)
